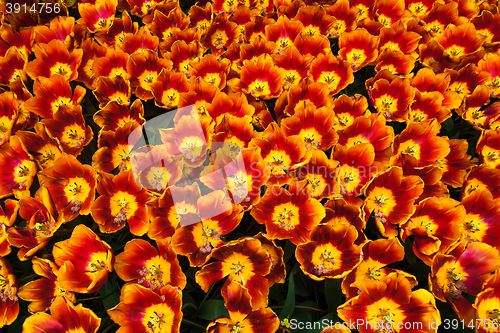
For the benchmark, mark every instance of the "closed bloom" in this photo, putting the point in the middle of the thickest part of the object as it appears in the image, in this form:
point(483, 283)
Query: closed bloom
point(84, 260)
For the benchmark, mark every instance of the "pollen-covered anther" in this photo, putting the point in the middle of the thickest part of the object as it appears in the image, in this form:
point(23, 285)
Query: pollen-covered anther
point(76, 206)
point(285, 218)
point(380, 217)
point(206, 248)
point(94, 267)
point(120, 218)
point(455, 284)
point(320, 270)
point(155, 322)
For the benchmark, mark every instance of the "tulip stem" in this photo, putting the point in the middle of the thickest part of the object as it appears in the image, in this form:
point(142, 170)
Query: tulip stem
point(89, 298)
point(298, 307)
point(192, 323)
point(28, 278)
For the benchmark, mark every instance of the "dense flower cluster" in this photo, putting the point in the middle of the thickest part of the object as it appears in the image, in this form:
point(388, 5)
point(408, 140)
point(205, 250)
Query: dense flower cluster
point(316, 118)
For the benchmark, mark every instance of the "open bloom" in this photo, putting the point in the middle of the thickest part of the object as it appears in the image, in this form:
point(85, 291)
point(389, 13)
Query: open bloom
point(333, 71)
point(241, 175)
point(481, 222)
point(390, 196)
point(44, 148)
point(51, 93)
point(488, 148)
point(18, 169)
point(421, 141)
point(176, 206)
point(220, 34)
point(97, 16)
point(245, 263)
point(355, 170)
point(281, 153)
point(150, 267)
point(43, 221)
point(358, 48)
point(487, 304)
point(68, 127)
point(331, 252)
point(313, 125)
point(262, 79)
point(187, 140)
point(121, 201)
point(71, 186)
point(115, 148)
point(434, 226)
point(320, 175)
point(392, 99)
point(43, 292)
point(55, 58)
point(115, 115)
point(219, 216)
point(464, 269)
point(481, 177)
point(375, 257)
point(8, 217)
point(389, 304)
point(371, 129)
point(115, 88)
point(141, 310)
point(64, 318)
point(9, 305)
point(460, 41)
point(241, 317)
point(84, 261)
point(288, 215)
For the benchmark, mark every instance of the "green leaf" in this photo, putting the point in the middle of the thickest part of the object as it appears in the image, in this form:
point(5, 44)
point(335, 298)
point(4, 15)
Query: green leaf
point(17, 325)
point(110, 294)
point(290, 299)
point(289, 251)
point(328, 320)
point(333, 294)
point(212, 309)
point(447, 125)
point(409, 255)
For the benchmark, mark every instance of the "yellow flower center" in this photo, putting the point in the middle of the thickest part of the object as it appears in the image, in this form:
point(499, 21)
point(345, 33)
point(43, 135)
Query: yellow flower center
point(455, 50)
point(286, 216)
point(61, 69)
point(102, 23)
